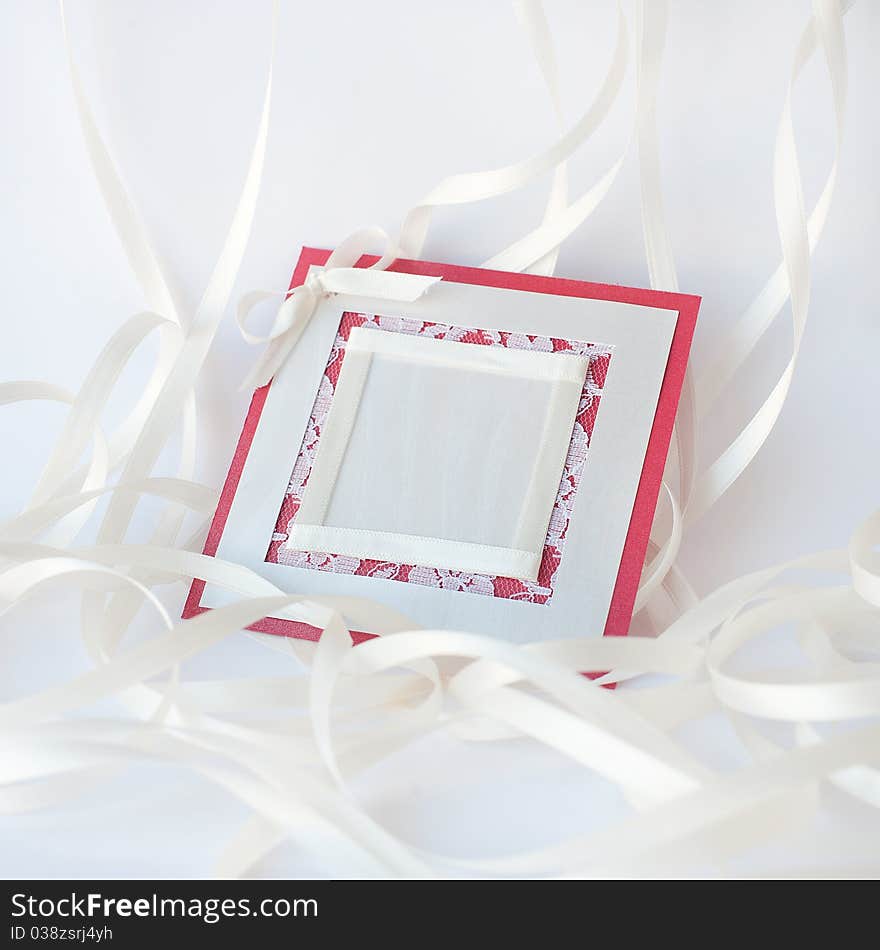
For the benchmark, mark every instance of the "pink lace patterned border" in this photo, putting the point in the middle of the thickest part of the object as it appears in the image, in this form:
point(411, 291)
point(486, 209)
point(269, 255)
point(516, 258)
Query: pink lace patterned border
point(538, 592)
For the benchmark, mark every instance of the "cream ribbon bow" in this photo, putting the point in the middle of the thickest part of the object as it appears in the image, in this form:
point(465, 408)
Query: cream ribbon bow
point(338, 276)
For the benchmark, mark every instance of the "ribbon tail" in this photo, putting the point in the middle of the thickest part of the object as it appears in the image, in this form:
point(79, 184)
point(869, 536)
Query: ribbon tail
point(276, 353)
point(263, 370)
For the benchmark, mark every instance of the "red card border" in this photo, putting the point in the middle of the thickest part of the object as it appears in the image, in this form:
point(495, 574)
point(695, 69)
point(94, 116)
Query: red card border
point(636, 544)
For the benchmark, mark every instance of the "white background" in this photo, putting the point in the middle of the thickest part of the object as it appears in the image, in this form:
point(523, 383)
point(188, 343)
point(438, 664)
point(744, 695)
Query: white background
point(375, 103)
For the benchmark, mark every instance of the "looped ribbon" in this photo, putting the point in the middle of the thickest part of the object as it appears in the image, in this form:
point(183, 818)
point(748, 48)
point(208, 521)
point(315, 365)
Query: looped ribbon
point(296, 781)
point(338, 276)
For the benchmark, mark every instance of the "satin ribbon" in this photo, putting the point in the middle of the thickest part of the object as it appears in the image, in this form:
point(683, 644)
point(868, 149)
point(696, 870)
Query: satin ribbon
point(367, 704)
point(338, 276)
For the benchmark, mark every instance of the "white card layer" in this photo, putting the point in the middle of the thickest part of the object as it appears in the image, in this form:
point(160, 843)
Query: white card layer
point(387, 485)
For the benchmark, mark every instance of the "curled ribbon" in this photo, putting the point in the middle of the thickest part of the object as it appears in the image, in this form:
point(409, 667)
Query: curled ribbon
point(294, 772)
point(338, 276)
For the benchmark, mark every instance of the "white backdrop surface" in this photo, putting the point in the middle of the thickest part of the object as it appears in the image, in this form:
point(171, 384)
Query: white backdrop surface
point(374, 104)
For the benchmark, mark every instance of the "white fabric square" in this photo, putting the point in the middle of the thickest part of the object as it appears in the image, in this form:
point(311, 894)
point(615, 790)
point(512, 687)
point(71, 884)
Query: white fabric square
point(441, 453)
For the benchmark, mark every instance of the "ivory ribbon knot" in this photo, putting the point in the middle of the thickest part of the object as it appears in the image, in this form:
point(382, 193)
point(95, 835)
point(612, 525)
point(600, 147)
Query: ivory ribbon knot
point(338, 276)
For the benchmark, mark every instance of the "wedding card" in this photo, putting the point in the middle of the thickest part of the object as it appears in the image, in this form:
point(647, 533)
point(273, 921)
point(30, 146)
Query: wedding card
point(486, 458)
